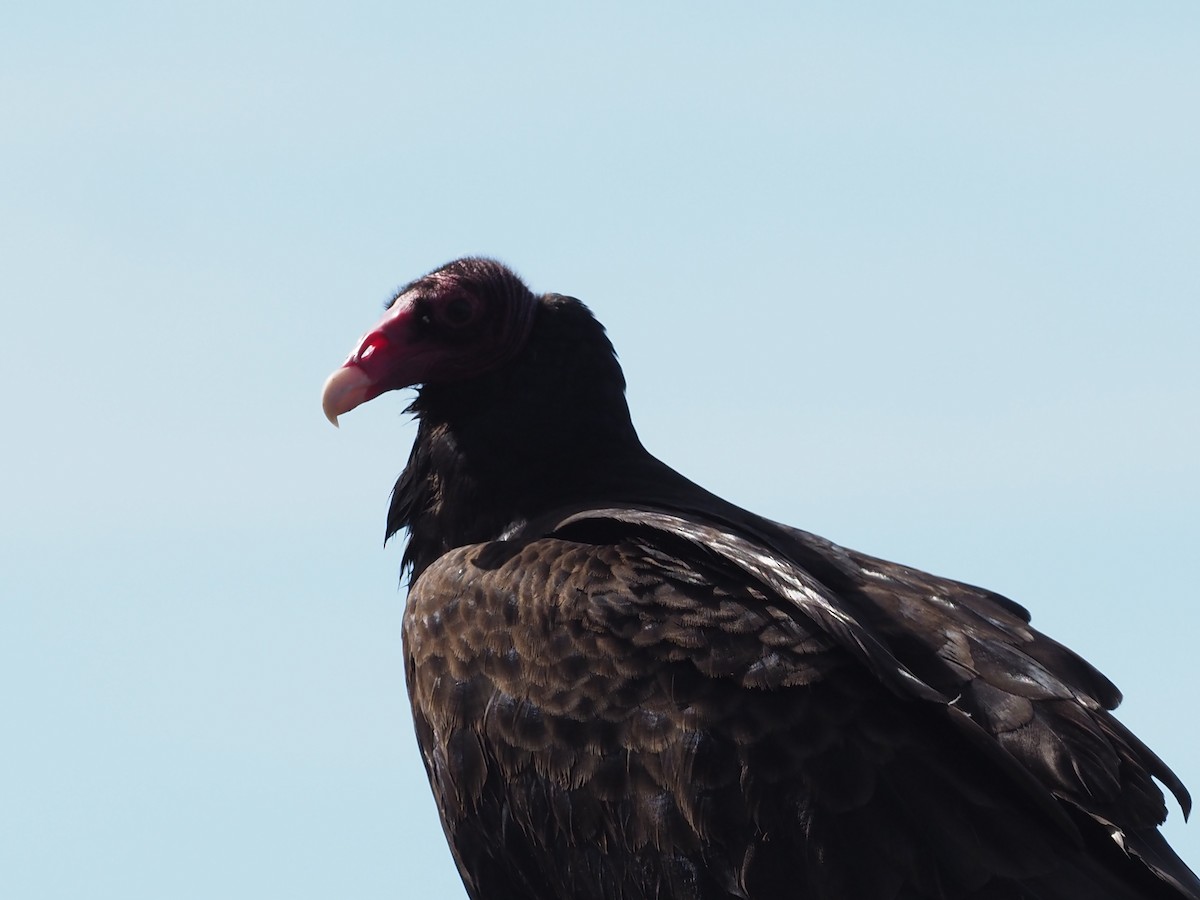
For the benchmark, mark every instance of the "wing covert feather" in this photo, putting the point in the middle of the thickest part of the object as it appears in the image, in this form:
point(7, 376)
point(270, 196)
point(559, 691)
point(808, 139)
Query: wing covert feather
point(619, 693)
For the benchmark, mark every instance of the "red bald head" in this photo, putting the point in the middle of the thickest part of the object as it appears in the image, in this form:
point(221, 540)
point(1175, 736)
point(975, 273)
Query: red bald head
point(457, 322)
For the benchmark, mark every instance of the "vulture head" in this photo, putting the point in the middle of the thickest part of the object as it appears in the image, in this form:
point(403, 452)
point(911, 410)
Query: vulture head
point(459, 321)
point(520, 399)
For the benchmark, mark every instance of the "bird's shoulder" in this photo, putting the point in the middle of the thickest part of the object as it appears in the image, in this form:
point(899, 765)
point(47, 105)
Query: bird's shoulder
point(773, 666)
point(608, 682)
point(561, 598)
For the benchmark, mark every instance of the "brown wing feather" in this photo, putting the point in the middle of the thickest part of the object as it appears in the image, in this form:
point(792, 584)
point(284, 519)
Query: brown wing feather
point(1044, 703)
point(577, 699)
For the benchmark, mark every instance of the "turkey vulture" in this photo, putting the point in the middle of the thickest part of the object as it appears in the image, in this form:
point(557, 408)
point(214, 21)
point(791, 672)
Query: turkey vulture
point(624, 686)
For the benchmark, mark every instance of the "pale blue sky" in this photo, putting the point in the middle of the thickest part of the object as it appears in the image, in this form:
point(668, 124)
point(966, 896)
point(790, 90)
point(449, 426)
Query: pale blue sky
point(920, 277)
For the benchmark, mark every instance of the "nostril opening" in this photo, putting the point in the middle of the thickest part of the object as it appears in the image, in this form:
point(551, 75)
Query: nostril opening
point(371, 344)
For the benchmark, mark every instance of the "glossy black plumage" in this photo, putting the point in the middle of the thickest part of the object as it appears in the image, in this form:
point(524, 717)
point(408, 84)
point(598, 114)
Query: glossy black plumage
point(626, 687)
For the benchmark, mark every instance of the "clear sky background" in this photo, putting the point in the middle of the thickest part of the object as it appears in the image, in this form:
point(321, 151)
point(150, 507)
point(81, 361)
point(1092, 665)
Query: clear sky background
point(923, 278)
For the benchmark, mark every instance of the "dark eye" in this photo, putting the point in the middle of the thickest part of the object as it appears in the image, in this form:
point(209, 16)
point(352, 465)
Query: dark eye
point(459, 311)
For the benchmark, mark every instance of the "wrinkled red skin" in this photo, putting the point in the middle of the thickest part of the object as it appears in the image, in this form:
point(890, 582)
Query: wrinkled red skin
point(387, 357)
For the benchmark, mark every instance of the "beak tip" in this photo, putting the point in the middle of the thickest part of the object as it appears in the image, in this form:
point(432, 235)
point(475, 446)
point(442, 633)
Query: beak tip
point(345, 389)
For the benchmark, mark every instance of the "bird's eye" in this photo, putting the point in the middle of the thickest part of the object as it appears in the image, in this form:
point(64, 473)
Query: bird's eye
point(459, 311)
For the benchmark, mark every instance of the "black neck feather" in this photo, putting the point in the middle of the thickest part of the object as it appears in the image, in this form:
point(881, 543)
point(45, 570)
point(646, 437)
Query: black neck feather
point(548, 428)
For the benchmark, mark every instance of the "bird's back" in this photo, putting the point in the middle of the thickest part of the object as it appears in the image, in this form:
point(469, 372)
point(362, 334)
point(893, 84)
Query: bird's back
point(612, 712)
